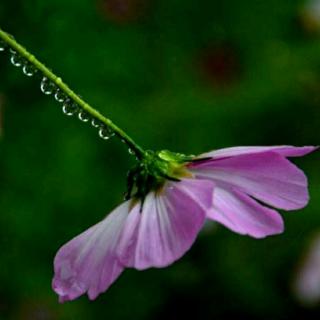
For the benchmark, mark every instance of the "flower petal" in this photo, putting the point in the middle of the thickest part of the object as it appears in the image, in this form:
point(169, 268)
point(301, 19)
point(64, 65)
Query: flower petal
point(266, 176)
point(243, 215)
point(286, 151)
point(167, 226)
point(88, 263)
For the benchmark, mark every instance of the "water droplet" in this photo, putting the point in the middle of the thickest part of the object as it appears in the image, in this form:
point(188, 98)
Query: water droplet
point(96, 123)
point(3, 46)
point(69, 108)
point(84, 116)
point(16, 60)
point(131, 151)
point(60, 96)
point(105, 133)
point(47, 86)
point(28, 70)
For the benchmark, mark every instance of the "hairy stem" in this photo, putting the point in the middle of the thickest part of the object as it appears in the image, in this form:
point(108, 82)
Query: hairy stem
point(13, 44)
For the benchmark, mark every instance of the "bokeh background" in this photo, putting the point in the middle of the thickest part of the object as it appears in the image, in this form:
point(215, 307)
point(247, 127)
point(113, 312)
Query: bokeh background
point(184, 75)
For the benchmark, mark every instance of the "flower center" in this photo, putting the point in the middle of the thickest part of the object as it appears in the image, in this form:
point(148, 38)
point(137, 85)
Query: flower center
point(153, 171)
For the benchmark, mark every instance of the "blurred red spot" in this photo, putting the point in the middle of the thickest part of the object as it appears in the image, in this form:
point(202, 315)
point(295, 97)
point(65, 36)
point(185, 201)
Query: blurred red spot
point(220, 66)
point(122, 11)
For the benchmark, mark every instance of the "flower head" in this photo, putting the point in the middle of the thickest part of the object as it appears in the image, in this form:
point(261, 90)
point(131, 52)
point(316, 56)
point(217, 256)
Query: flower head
point(169, 197)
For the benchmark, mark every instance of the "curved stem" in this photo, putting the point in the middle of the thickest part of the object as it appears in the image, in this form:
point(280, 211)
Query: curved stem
point(8, 39)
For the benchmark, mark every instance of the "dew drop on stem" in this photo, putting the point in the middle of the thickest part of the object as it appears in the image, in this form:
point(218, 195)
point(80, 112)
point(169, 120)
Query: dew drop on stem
point(47, 86)
point(95, 123)
point(83, 116)
point(131, 151)
point(16, 60)
point(105, 133)
point(69, 108)
point(28, 70)
point(3, 46)
point(60, 96)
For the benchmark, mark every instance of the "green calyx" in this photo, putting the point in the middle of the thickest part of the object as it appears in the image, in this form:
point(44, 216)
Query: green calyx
point(153, 170)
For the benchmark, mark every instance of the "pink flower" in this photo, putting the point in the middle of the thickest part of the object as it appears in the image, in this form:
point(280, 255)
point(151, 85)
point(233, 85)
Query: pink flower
point(161, 222)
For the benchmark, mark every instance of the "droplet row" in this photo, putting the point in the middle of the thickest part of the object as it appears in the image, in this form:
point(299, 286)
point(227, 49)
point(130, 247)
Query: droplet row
point(48, 87)
point(16, 60)
point(70, 108)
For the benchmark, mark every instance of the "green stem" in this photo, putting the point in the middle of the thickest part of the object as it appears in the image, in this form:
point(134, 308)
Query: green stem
point(140, 153)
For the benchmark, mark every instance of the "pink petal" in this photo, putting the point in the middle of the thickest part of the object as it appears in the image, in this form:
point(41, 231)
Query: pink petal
point(244, 215)
point(286, 151)
point(167, 226)
point(267, 176)
point(88, 263)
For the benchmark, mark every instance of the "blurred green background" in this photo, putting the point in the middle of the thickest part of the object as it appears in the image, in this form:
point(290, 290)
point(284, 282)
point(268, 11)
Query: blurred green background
point(184, 75)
